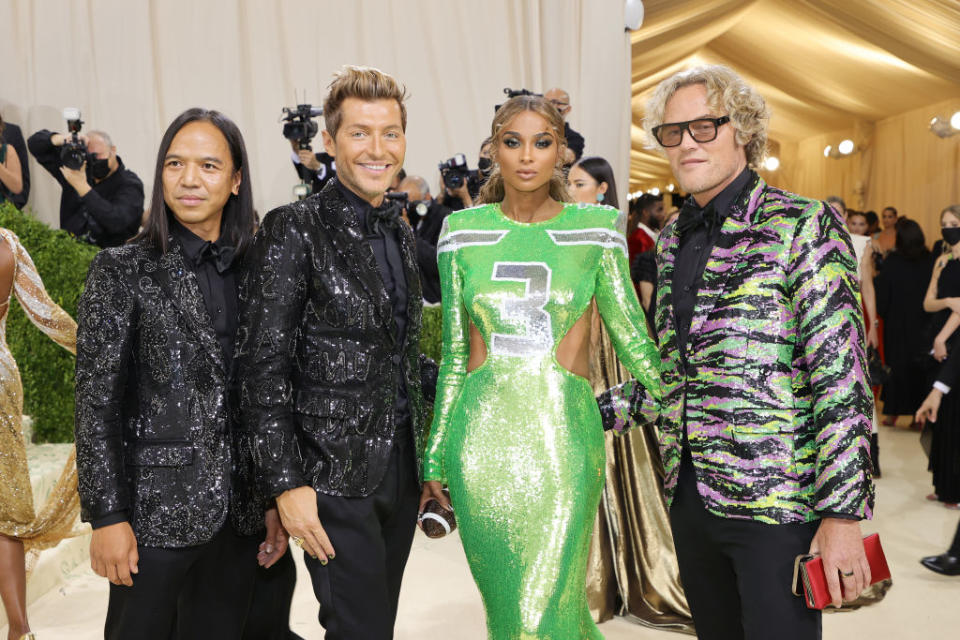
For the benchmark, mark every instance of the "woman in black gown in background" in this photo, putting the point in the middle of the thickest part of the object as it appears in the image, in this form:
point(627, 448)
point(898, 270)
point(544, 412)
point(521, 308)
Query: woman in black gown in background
point(900, 289)
point(943, 299)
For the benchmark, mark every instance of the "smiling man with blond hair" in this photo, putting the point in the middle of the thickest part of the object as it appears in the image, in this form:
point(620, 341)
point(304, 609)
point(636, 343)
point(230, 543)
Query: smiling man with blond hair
point(330, 368)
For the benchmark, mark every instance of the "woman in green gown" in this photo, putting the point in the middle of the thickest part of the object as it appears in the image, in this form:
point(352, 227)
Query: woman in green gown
point(517, 435)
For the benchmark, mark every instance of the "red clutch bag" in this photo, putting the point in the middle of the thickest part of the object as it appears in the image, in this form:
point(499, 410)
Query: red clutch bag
point(810, 581)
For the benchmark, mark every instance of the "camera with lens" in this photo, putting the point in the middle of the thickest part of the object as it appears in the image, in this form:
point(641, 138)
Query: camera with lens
point(420, 207)
point(454, 171)
point(513, 93)
point(299, 124)
point(73, 152)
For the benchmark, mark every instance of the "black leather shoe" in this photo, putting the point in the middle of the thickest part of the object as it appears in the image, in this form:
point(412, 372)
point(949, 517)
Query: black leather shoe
point(945, 563)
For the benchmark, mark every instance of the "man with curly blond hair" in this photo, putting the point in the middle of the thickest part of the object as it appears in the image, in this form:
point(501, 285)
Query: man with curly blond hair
point(765, 424)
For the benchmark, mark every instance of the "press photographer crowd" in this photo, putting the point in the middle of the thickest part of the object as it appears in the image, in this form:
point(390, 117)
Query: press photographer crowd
point(102, 202)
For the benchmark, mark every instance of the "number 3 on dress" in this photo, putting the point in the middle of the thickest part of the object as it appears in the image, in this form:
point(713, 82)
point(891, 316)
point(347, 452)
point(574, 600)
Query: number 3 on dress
point(526, 312)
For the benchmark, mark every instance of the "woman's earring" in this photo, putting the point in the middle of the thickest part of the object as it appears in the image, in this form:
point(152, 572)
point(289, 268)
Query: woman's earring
point(599, 197)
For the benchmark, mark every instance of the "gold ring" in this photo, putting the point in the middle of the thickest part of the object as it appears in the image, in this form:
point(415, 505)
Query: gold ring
point(846, 574)
point(297, 540)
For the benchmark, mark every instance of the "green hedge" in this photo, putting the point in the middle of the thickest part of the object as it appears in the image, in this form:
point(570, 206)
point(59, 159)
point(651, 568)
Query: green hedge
point(432, 337)
point(45, 367)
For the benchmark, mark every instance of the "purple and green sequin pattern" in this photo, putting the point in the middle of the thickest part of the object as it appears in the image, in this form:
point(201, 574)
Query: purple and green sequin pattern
point(777, 400)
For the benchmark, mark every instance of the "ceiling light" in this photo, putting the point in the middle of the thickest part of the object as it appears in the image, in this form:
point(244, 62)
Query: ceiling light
point(772, 163)
point(943, 128)
point(826, 151)
point(845, 147)
point(654, 192)
point(670, 187)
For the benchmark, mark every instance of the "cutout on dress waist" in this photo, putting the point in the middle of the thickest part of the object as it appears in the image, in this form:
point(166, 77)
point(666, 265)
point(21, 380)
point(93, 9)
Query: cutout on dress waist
point(580, 365)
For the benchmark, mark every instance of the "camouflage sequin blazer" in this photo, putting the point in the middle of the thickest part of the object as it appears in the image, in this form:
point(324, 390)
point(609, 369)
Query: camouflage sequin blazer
point(778, 406)
point(318, 360)
point(153, 433)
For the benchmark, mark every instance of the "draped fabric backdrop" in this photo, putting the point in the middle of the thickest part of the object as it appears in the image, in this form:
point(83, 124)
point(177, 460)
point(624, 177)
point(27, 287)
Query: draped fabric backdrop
point(132, 65)
point(902, 164)
point(875, 71)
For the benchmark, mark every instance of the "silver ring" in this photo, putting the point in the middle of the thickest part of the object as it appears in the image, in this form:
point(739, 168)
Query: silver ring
point(847, 574)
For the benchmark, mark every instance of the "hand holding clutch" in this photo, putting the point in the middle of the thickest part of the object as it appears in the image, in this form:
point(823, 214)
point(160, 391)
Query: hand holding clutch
point(810, 579)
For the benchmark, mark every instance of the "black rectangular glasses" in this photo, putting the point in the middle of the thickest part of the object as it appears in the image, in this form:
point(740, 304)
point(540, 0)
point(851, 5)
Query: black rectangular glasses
point(670, 134)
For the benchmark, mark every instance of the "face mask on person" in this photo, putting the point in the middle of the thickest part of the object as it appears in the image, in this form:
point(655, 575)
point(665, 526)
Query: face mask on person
point(951, 235)
point(99, 168)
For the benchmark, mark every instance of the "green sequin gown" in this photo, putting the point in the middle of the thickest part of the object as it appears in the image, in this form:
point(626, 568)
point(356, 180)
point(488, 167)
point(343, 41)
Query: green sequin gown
point(519, 440)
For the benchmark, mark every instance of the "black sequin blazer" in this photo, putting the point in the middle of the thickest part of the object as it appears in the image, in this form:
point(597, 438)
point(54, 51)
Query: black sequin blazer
point(152, 418)
point(318, 362)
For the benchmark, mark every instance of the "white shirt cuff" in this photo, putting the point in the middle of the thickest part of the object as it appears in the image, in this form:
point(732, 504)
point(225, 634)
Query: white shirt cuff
point(942, 388)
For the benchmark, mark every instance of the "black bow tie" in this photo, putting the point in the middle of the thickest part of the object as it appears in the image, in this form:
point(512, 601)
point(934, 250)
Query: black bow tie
point(220, 257)
point(386, 216)
point(693, 217)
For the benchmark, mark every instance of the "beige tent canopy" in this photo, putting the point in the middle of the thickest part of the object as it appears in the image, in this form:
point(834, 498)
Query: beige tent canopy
point(873, 71)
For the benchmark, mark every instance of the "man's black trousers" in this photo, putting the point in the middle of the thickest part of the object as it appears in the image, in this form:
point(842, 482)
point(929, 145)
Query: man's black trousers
point(737, 573)
point(358, 590)
point(194, 592)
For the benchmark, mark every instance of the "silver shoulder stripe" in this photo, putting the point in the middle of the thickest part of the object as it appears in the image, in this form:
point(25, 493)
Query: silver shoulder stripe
point(607, 238)
point(469, 238)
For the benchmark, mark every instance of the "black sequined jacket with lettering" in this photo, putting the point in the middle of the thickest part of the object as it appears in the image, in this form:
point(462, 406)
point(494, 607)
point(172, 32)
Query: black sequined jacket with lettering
point(317, 358)
point(153, 432)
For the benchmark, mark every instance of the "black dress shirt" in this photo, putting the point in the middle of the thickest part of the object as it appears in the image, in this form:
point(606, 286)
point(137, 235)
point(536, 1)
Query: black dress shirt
point(218, 283)
point(109, 214)
point(385, 243)
point(694, 252)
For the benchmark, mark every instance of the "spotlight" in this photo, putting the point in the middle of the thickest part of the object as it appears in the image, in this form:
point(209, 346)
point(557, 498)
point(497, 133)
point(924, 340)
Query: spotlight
point(826, 151)
point(633, 14)
point(655, 191)
point(943, 128)
point(670, 187)
point(772, 163)
point(845, 147)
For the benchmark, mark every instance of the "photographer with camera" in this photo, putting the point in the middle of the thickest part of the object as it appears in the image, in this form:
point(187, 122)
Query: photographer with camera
point(460, 186)
point(102, 200)
point(313, 169)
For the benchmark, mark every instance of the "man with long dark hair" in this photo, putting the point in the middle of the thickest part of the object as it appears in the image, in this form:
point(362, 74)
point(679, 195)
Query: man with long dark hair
point(161, 478)
point(329, 364)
